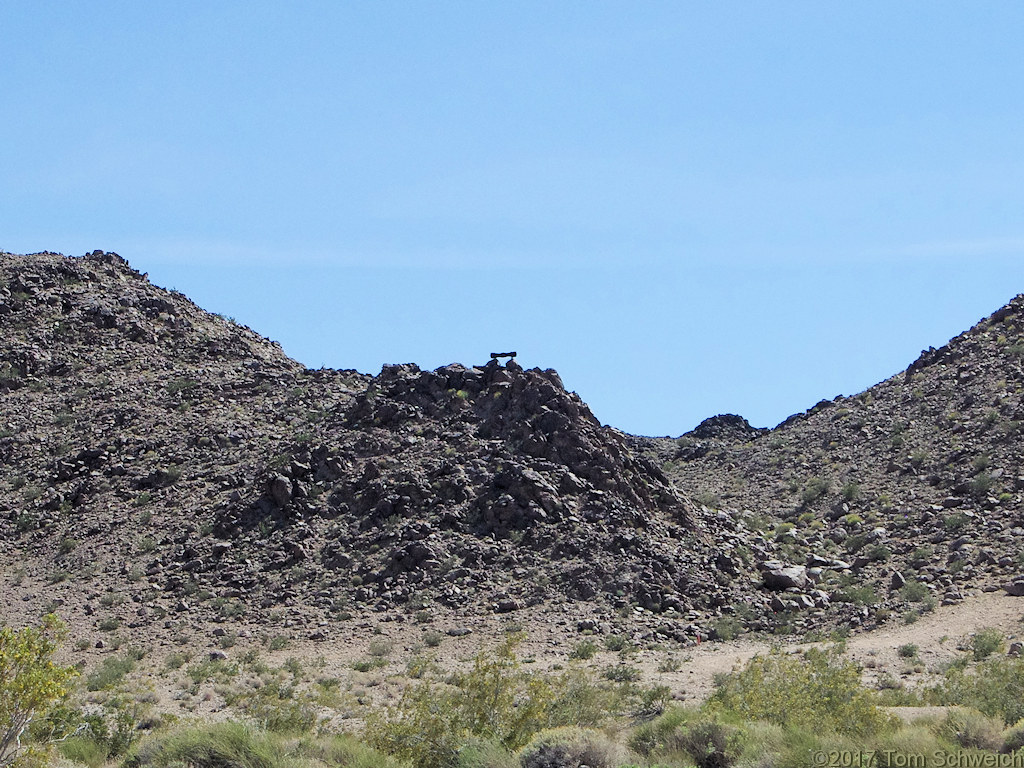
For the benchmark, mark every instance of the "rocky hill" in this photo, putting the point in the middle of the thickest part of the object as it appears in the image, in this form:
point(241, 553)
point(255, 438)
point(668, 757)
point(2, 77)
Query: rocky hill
point(162, 463)
point(163, 466)
point(915, 484)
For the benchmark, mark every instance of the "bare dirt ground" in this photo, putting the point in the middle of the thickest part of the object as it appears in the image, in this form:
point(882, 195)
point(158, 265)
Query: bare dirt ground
point(689, 672)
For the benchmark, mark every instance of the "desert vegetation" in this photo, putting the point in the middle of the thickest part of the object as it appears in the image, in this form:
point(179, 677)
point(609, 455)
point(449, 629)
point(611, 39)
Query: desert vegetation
point(807, 706)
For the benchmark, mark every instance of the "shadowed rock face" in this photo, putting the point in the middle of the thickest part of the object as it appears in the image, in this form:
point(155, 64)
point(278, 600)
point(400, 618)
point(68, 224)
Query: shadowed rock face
point(465, 475)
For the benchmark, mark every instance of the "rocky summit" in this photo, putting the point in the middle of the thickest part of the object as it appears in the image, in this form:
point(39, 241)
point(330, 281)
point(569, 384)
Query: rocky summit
point(164, 465)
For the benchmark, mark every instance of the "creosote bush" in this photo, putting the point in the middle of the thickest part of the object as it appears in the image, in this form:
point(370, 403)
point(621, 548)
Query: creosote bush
point(496, 701)
point(994, 687)
point(818, 689)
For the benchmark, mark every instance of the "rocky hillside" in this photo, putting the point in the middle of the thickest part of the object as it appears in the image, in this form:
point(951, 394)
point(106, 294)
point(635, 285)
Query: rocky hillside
point(162, 461)
point(918, 479)
point(163, 466)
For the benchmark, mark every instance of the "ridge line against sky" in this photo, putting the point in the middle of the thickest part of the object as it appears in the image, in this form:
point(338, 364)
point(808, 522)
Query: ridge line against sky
point(685, 208)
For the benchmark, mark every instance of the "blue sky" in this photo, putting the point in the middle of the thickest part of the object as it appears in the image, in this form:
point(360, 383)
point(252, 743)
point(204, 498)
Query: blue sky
point(686, 208)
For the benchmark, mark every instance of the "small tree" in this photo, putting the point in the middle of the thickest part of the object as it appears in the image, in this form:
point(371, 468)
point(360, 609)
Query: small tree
point(30, 681)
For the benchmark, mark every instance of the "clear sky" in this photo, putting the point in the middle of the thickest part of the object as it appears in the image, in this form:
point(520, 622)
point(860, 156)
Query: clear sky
point(687, 208)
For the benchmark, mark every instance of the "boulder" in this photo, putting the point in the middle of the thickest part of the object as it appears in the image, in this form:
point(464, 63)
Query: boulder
point(783, 577)
point(281, 490)
point(1016, 587)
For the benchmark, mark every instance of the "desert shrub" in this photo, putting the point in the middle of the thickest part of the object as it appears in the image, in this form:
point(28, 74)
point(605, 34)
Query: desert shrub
point(710, 742)
point(995, 687)
point(893, 750)
point(571, 747)
point(907, 651)
point(30, 681)
point(220, 745)
point(864, 594)
point(653, 735)
point(914, 592)
point(971, 729)
point(986, 642)
point(981, 484)
point(851, 491)
point(368, 665)
point(814, 489)
point(584, 649)
point(379, 649)
point(483, 753)
point(346, 751)
point(94, 739)
point(432, 638)
point(879, 553)
point(618, 643)
point(86, 750)
point(278, 709)
point(495, 700)
point(109, 673)
point(727, 628)
point(277, 642)
point(1013, 738)
point(622, 673)
point(817, 689)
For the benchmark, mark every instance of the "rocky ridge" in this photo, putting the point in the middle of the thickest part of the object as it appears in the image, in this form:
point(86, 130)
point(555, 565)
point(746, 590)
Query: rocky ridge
point(171, 465)
point(916, 480)
point(166, 467)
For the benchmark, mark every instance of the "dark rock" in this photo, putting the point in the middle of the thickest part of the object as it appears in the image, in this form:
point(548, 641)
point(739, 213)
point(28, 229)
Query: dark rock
point(781, 577)
point(1015, 588)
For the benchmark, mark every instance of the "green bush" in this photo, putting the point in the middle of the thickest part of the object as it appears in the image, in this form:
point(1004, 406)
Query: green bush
point(346, 751)
point(818, 689)
point(914, 592)
point(1013, 738)
point(970, 729)
point(94, 739)
point(864, 594)
point(617, 643)
point(622, 673)
point(86, 750)
point(570, 747)
point(432, 638)
point(907, 651)
point(653, 735)
point(496, 700)
point(482, 753)
point(110, 673)
point(986, 642)
point(711, 743)
point(584, 649)
point(995, 687)
point(221, 745)
point(30, 682)
point(851, 491)
point(981, 484)
point(814, 489)
point(279, 709)
point(727, 628)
